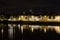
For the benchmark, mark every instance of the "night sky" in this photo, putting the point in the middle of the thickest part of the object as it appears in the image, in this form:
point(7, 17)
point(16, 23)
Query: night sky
point(50, 5)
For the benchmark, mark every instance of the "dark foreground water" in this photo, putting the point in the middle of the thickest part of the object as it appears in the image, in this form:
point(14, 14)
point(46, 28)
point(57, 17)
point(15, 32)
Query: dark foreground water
point(16, 34)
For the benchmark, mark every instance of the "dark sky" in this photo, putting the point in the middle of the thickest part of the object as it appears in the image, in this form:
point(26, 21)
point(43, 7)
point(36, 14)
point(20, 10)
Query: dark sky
point(28, 3)
point(53, 5)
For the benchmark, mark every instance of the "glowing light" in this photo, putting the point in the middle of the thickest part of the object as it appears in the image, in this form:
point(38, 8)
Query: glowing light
point(10, 32)
point(57, 29)
point(9, 19)
point(32, 16)
point(57, 18)
point(19, 18)
point(44, 29)
point(19, 26)
point(30, 10)
point(14, 19)
point(22, 29)
point(2, 30)
point(9, 25)
point(30, 19)
point(32, 29)
point(22, 18)
point(45, 16)
point(36, 18)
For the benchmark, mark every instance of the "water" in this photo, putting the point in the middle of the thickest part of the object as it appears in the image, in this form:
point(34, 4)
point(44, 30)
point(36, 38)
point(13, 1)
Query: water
point(14, 32)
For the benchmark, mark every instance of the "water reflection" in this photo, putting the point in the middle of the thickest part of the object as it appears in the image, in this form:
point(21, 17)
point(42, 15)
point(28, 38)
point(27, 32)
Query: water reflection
point(10, 31)
point(45, 28)
point(3, 32)
point(19, 32)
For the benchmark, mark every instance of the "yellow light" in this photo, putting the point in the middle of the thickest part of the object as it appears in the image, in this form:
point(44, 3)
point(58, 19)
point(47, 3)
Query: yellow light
point(44, 29)
point(19, 18)
point(32, 29)
point(22, 29)
point(19, 26)
point(9, 19)
point(57, 29)
point(22, 17)
point(57, 18)
point(14, 19)
point(32, 16)
point(2, 30)
point(44, 16)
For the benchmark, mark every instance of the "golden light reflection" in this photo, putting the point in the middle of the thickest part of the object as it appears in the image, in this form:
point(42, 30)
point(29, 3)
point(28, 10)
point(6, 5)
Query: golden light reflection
point(22, 29)
point(45, 28)
point(19, 26)
point(32, 29)
point(57, 29)
point(2, 31)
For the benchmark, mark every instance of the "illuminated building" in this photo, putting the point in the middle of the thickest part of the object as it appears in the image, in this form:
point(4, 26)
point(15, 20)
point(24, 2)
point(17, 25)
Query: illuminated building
point(19, 24)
